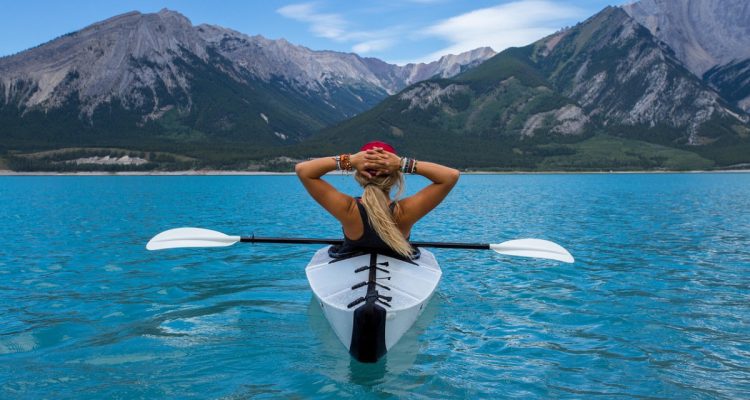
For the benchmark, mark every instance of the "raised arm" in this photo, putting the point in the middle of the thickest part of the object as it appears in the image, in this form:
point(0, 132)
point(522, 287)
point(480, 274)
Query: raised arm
point(335, 202)
point(443, 180)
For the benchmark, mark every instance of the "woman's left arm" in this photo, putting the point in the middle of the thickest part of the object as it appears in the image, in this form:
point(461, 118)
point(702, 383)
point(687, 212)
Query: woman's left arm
point(335, 202)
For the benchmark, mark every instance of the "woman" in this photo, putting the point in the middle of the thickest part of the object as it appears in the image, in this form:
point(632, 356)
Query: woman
point(375, 220)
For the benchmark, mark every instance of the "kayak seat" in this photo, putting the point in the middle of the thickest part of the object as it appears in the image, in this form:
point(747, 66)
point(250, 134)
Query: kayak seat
point(340, 252)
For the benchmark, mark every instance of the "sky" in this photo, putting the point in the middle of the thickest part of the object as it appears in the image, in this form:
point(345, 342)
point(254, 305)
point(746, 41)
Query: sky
point(394, 31)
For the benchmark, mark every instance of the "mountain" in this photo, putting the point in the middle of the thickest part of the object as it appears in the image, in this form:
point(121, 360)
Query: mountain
point(154, 81)
point(710, 37)
point(607, 82)
point(702, 33)
point(396, 78)
point(621, 75)
point(644, 86)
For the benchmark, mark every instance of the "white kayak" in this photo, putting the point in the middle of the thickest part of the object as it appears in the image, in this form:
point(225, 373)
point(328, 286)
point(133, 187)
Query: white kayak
point(372, 299)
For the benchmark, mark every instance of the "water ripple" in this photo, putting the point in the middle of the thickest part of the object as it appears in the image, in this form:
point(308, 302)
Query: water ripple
point(656, 306)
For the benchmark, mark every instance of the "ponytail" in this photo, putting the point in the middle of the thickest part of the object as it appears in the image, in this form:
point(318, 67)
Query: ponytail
point(375, 201)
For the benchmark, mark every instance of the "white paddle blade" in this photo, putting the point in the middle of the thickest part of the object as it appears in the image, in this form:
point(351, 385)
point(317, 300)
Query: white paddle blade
point(536, 248)
point(190, 237)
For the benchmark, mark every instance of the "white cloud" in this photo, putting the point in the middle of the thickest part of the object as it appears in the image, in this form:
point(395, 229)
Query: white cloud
point(333, 26)
point(512, 24)
point(329, 26)
point(371, 46)
point(516, 23)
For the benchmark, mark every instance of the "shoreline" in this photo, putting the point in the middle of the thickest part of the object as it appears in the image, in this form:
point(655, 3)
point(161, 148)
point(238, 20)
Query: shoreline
point(5, 172)
point(269, 173)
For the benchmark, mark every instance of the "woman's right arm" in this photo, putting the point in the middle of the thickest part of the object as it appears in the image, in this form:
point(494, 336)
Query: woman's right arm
point(417, 206)
point(443, 178)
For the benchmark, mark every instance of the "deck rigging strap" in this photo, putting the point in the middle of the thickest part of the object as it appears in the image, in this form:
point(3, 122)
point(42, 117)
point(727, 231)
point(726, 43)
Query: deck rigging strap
point(372, 294)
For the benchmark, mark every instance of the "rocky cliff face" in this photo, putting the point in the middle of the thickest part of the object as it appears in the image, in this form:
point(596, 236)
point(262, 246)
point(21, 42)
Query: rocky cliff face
point(622, 75)
point(710, 37)
point(155, 65)
point(99, 63)
point(732, 81)
point(702, 33)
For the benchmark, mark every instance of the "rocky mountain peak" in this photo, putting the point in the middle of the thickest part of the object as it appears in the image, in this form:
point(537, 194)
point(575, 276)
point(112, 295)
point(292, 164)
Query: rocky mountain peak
point(702, 33)
point(98, 62)
point(148, 66)
point(619, 72)
point(167, 13)
point(452, 64)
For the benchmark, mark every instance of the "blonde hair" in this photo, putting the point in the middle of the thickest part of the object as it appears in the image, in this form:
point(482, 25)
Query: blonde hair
point(375, 200)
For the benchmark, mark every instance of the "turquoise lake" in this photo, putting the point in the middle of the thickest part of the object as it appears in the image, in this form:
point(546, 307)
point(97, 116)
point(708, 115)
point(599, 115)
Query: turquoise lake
point(657, 304)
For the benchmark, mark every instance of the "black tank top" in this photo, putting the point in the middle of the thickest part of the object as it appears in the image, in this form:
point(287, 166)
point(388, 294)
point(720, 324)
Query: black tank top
point(368, 242)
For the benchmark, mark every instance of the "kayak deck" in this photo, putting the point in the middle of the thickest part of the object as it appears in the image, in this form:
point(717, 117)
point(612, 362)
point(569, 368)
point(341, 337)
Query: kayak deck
point(372, 299)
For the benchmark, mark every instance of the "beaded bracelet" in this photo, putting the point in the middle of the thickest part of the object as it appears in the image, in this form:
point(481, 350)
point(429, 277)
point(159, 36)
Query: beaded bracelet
point(408, 165)
point(343, 162)
point(346, 162)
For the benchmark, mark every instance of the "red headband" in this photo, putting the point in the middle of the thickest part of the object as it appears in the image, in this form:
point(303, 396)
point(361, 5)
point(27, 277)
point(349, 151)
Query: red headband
point(383, 145)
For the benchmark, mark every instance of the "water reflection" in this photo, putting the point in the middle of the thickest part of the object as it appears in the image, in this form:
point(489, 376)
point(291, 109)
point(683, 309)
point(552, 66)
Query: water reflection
point(342, 367)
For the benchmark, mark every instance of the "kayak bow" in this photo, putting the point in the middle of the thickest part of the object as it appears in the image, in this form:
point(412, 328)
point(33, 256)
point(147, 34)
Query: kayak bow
point(371, 299)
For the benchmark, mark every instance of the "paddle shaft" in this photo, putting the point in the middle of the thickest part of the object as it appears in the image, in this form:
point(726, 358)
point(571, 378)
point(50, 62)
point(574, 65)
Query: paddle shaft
point(438, 245)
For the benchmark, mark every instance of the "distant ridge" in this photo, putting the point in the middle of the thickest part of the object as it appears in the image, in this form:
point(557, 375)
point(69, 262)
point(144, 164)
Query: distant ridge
point(156, 79)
